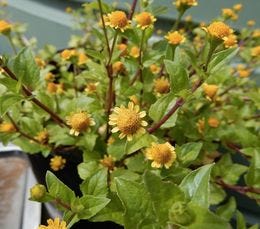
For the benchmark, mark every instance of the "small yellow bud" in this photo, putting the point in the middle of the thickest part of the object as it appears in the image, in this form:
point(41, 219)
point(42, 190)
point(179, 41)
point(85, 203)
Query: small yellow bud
point(38, 191)
point(213, 122)
point(210, 90)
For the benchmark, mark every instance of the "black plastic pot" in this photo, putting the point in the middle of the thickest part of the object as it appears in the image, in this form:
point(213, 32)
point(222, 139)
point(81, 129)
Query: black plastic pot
point(70, 177)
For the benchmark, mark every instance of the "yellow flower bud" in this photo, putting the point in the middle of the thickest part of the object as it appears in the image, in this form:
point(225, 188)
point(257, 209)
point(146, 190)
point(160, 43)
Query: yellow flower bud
point(38, 191)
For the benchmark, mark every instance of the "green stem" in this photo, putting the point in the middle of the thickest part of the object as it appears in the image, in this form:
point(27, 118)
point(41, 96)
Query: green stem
point(11, 43)
point(212, 48)
point(103, 25)
point(177, 22)
point(112, 48)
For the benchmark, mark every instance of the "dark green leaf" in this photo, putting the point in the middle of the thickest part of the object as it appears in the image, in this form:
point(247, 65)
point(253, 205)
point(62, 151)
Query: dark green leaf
point(253, 175)
point(7, 101)
point(227, 210)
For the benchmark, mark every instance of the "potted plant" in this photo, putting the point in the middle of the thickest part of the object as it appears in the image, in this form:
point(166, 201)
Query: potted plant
point(138, 132)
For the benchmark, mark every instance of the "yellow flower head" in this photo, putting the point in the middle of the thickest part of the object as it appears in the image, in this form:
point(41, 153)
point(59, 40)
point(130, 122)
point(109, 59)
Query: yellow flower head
point(161, 155)
point(134, 52)
point(52, 87)
point(244, 73)
point(118, 67)
point(255, 52)
point(79, 122)
point(251, 23)
point(175, 38)
point(213, 122)
point(210, 90)
point(154, 68)
point(91, 88)
point(117, 20)
point(127, 120)
point(219, 30)
point(54, 224)
point(57, 163)
point(68, 10)
point(201, 125)
point(230, 41)
point(68, 53)
point(42, 137)
point(108, 162)
point(256, 33)
point(144, 20)
point(5, 27)
point(49, 76)
point(38, 191)
point(161, 85)
point(40, 62)
point(229, 14)
point(238, 7)
point(122, 48)
point(82, 58)
point(3, 3)
point(182, 5)
point(7, 127)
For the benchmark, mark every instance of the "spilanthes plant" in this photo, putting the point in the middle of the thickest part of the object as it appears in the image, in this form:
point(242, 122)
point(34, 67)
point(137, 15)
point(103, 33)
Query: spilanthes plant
point(142, 126)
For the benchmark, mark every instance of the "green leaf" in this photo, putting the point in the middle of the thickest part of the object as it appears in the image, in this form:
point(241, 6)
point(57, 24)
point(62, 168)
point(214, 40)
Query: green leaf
point(96, 184)
point(161, 107)
point(138, 143)
point(10, 84)
point(227, 210)
point(26, 69)
point(221, 58)
point(178, 76)
point(112, 212)
point(95, 54)
point(59, 190)
point(188, 152)
point(163, 195)
point(92, 205)
point(196, 185)
point(137, 203)
point(87, 141)
point(252, 177)
point(206, 219)
point(117, 149)
point(87, 169)
point(7, 101)
point(241, 223)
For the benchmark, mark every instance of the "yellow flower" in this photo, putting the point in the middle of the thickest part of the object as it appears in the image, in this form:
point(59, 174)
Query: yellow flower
point(256, 33)
point(238, 7)
point(230, 41)
point(38, 191)
point(122, 48)
point(42, 137)
point(54, 224)
point(219, 30)
point(82, 58)
point(175, 38)
point(213, 122)
point(5, 27)
point(229, 13)
point(182, 5)
point(40, 62)
point(57, 163)
point(201, 125)
point(49, 76)
point(3, 3)
point(188, 18)
point(210, 90)
point(161, 155)
point(144, 20)
point(79, 122)
point(68, 53)
point(244, 73)
point(128, 120)
point(134, 52)
point(255, 52)
point(7, 127)
point(251, 23)
point(118, 67)
point(68, 10)
point(91, 87)
point(155, 69)
point(52, 87)
point(161, 85)
point(108, 162)
point(117, 20)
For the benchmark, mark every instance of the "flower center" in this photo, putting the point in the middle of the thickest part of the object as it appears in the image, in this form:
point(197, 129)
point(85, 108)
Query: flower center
point(162, 86)
point(219, 29)
point(118, 18)
point(144, 19)
point(128, 121)
point(161, 153)
point(79, 121)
